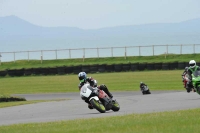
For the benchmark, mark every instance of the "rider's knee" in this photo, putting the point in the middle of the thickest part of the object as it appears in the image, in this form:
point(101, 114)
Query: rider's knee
point(102, 87)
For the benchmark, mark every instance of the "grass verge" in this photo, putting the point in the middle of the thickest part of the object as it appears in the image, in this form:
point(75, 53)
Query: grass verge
point(123, 81)
point(16, 103)
point(185, 121)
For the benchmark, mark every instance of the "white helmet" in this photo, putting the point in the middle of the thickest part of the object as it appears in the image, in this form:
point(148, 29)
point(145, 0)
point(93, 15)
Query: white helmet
point(192, 63)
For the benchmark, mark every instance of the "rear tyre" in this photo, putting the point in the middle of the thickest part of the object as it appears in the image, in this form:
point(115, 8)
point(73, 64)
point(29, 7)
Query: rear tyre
point(115, 106)
point(98, 106)
point(148, 92)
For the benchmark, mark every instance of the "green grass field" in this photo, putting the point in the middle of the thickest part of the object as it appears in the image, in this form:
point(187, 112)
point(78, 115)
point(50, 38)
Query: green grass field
point(185, 121)
point(16, 103)
point(123, 81)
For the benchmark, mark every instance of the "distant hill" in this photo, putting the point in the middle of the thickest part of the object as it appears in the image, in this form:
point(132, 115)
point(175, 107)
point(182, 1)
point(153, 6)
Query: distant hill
point(18, 34)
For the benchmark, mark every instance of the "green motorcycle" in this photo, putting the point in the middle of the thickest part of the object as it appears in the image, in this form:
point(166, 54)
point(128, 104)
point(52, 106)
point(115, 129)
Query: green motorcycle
point(196, 81)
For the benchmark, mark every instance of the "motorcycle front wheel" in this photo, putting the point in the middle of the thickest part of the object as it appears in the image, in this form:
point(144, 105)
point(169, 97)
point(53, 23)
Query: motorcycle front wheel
point(98, 106)
point(198, 89)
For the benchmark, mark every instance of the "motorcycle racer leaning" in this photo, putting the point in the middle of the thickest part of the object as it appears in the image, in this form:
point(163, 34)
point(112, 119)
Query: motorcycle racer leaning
point(142, 85)
point(192, 67)
point(84, 79)
point(184, 73)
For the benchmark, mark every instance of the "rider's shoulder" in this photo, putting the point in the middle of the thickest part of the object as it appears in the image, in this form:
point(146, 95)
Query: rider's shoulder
point(90, 78)
point(189, 69)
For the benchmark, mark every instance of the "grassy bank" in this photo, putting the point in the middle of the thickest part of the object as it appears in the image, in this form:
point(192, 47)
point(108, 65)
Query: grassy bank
point(123, 81)
point(166, 122)
point(109, 60)
point(10, 104)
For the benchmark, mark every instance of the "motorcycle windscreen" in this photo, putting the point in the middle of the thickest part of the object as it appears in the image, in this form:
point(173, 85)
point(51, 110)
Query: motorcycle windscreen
point(85, 90)
point(196, 73)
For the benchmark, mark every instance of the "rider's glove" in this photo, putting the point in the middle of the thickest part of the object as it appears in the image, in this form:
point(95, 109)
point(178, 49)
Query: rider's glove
point(79, 86)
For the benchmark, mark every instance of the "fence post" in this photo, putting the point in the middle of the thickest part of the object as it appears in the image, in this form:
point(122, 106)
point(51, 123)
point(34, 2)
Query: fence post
point(125, 52)
point(28, 55)
point(112, 51)
point(139, 50)
point(69, 53)
point(83, 54)
point(167, 49)
point(14, 56)
point(56, 54)
point(153, 49)
point(0, 59)
point(181, 49)
point(41, 56)
point(97, 52)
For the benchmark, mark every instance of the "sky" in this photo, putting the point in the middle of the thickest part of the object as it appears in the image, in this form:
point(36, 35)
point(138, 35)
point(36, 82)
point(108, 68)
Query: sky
point(95, 14)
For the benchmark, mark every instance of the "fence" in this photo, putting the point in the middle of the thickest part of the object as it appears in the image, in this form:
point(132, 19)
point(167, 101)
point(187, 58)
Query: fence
point(125, 51)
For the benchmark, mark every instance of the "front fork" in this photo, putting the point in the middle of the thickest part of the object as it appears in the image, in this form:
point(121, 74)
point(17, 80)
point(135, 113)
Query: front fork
point(197, 89)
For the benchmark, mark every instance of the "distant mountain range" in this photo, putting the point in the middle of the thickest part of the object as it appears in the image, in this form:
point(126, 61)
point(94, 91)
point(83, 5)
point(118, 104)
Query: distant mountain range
point(17, 34)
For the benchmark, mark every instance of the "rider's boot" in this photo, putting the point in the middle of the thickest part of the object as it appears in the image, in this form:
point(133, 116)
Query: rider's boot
point(90, 106)
point(188, 87)
point(110, 95)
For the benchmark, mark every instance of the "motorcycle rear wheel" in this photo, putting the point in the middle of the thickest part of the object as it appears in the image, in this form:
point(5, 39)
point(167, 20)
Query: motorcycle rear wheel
point(146, 92)
point(98, 106)
point(115, 106)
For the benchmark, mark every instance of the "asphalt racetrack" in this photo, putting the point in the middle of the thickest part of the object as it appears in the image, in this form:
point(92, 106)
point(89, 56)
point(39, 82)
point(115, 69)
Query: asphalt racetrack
point(75, 108)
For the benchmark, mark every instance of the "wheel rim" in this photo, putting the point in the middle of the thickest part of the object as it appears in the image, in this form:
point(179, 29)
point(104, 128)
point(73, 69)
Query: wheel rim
point(99, 105)
point(115, 104)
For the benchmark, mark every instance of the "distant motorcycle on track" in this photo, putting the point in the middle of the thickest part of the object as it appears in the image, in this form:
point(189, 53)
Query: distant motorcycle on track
point(144, 88)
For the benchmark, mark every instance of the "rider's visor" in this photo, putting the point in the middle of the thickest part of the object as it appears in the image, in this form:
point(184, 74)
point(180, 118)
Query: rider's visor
point(81, 79)
point(192, 64)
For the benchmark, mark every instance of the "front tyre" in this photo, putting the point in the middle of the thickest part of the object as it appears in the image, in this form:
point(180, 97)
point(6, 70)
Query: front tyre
point(98, 106)
point(115, 106)
point(198, 89)
point(148, 92)
point(188, 89)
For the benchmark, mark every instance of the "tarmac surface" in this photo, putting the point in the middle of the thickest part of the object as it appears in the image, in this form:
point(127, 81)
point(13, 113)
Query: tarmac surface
point(76, 108)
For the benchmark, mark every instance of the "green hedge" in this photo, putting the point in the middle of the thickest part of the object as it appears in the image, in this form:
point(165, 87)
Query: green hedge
point(4, 98)
point(61, 70)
